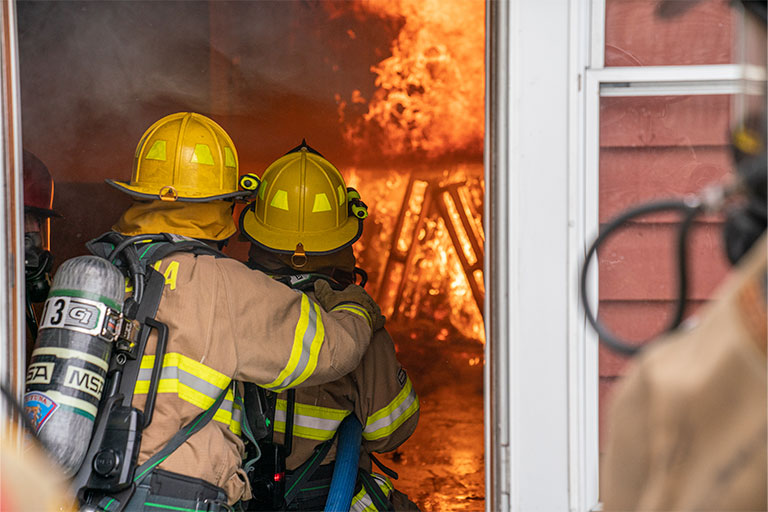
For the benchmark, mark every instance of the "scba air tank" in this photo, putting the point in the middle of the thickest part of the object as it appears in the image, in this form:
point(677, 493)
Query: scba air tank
point(66, 375)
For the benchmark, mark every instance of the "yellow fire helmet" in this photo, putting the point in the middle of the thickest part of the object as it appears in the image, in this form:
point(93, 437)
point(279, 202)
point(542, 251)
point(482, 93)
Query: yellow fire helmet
point(303, 207)
point(184, 157)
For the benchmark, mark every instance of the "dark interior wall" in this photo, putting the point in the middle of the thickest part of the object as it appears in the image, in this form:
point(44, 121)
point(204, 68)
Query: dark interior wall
point(95, 75)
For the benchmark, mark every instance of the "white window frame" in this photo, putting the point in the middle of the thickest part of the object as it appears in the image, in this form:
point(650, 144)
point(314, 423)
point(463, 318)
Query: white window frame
point(12, 282)
point(546, 76)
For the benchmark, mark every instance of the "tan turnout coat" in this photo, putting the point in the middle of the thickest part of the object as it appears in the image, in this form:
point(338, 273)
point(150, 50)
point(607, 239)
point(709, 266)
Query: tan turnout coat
point(688, 426)
point(226, 323)
point(379, 392)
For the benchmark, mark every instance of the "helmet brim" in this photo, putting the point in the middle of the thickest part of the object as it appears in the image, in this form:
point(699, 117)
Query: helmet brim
point(140, 192)
point(285, 243)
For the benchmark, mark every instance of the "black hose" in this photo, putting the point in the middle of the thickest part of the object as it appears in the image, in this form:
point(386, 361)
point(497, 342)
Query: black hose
point(32, 323)
point(131, 260)
point(689, 211)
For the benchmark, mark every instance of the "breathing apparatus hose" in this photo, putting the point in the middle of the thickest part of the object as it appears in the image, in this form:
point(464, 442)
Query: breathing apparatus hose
point(32, 323)
point(688, 209)
point(133, 262)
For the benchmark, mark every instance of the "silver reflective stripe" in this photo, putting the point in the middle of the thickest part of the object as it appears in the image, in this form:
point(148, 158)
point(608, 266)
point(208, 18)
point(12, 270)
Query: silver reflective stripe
point(306, 347)
point(301, 420)
point(186, 378)
point(362, 503)
point(237, 413)
point(393, 416)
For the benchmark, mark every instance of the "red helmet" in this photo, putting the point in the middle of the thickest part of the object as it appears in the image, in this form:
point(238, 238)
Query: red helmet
point(38, 187)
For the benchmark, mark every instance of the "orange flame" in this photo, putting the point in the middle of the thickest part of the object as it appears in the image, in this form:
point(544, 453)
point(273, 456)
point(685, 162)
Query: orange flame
point(436, 287)
point(430, 92)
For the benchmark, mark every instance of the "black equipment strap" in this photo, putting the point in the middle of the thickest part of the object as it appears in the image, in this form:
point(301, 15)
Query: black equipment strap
point(180, 437)
point(379, 499)
point(147, 310)
point(304, 472)
point(290, 412)
point(115, 504)
point(257, 416)
point(391, 473)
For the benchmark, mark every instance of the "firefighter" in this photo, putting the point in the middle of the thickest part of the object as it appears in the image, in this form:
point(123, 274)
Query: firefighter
point(38, 261)
point(226, 322)
point(301, 227)
point(687, 429)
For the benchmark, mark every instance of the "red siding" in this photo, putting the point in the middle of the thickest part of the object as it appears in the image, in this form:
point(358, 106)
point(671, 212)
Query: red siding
point(652, 148)
point(636, 36)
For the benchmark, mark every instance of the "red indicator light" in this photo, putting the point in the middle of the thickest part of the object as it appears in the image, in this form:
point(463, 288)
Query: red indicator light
point(279, 477)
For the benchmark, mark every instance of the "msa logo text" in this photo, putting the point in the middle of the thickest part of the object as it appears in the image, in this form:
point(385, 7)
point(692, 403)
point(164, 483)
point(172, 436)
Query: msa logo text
point(39, 373)
point(84, 380)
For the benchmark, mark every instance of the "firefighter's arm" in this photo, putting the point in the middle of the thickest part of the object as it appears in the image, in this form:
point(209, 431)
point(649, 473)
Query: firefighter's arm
point(387, 404)
point(283, 339)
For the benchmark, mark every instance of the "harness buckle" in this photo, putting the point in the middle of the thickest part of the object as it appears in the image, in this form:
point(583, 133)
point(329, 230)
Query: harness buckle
point(214, 505)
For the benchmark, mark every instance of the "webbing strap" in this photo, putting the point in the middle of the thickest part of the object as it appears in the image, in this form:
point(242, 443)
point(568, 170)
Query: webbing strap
point(306, 470)
point(379, 499)
point(178, 439)
point(391, 473)
point(160, 250)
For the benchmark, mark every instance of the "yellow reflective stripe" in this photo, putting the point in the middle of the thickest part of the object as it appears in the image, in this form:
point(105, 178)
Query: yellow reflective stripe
point(317, 344)
point(157, 151)
point(229, 157)
point(305, 432)
point(197, 369)
point(209, 381)
point(354, 308)
point(385, 421)
point(315, 411)
point(310, 421)
point(321, 203)
point(280, 200)
point(298, 345)
point(202, 155)
point(307, 342)
point(361, 502)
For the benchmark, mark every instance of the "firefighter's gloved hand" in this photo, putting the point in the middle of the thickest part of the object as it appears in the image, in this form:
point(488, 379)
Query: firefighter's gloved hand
point(353, 294)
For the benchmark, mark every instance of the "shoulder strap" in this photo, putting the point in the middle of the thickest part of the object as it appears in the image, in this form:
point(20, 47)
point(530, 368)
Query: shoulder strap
point(187, 431)
point(158, 250)
point(379, 499)
point(306, 470)
point(118, 502)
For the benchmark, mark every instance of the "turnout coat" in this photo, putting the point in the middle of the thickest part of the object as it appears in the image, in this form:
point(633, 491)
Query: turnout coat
point(226, 323)
point(688, 425)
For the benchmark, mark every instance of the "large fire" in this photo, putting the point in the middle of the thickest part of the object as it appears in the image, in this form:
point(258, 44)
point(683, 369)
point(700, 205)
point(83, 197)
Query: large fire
point(430, 91)
point(427, 252)
point(422, 274)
